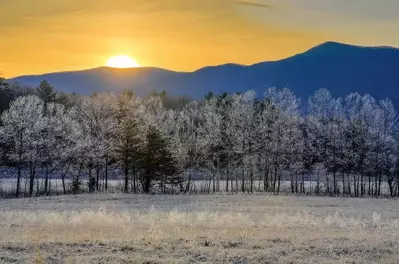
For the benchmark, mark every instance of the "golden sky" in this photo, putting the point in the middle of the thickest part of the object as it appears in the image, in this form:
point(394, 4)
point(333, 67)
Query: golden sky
point(38, 36)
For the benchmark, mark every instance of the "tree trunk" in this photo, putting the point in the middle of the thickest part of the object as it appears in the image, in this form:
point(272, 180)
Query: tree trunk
point(126, 171)
point(279, 181)
point(251, 175)
point(19, 164)
point(213, 182)
point(98, 176)
point(362, 189)
point(237, 189)
point(355, 189)
point(266, 179)
point(227, 175)
point(372, 187)
point(343, 183)
point(63, 178)
point(391, 186)
point(292, 183)
point(91, 185)
point(335, 181)
point(46, 182)
point(106, 173)
point(275, 178)
point(210, 182)
point(188, 184)
point(37, 187)
point(134, 180)
point(49, 183)
point(218, 181)
point(147, 182)
point(243, 177)
point(31, 178)
point(369, 192)
point(349, 185)
point(328, 184)
point(18, 181)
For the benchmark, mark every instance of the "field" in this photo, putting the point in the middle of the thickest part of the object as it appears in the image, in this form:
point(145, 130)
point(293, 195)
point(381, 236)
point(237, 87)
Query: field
point(119, 228)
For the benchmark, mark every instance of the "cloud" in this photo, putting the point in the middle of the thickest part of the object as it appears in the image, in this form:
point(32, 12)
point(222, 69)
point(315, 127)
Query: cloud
point(253, 3)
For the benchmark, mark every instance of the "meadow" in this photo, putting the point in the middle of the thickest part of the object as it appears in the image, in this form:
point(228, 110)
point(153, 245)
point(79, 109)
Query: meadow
point(230, 228)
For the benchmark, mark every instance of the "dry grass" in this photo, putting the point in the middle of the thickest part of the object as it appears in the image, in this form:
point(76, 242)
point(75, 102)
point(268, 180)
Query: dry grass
point(223, 229)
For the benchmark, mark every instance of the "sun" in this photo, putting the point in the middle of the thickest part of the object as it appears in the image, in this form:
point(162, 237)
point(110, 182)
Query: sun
point(122, 61)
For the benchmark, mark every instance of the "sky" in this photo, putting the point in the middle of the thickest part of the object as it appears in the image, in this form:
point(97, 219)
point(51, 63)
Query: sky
point(40, 36)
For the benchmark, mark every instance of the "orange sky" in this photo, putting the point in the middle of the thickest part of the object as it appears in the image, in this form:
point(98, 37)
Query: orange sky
point(39, 36)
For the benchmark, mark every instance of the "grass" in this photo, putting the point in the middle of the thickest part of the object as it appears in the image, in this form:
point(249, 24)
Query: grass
point(117, 228)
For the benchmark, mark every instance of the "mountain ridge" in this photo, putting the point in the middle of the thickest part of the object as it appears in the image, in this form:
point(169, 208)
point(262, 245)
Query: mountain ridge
point(342, 68)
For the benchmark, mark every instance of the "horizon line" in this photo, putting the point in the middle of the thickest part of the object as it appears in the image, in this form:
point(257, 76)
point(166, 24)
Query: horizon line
point(200, 68)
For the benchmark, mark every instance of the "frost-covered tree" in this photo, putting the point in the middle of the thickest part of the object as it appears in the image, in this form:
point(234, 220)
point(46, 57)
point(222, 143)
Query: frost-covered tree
point(387, 147)
point(266, 115)
point(130, 132)
point(241, 133)
point(67, 137)
point(331, 146)
point(99, 124)
point(212, 137)
point(187, 140)
point(23, 126)
point(284, 131)
point(320, 113)
point(60, 136)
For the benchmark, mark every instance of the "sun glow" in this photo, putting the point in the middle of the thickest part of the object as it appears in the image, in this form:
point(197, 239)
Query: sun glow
point(122, 61)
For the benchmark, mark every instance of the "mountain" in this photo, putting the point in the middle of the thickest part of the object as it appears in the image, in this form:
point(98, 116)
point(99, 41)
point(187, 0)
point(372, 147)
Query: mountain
point(342, 68)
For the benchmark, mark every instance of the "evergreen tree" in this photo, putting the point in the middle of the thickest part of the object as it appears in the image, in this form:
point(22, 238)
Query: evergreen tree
point(6, 95)
point(5, 98)
point(157, 163)
point(209, 95)
point(3, 84)
point(46, 92)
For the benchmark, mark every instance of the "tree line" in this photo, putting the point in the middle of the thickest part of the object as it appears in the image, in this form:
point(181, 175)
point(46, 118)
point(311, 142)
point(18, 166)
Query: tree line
point(232, 142)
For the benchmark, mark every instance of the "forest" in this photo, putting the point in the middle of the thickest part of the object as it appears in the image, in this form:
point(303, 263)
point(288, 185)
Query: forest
point(240, 142)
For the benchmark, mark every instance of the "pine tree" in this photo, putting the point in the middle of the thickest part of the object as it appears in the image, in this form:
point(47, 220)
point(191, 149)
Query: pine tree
point(46, 92)
point(6, 95)
point(157, 163)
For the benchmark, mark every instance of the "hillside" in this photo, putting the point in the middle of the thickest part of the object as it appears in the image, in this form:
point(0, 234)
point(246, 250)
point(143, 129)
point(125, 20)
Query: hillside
point(341, 68)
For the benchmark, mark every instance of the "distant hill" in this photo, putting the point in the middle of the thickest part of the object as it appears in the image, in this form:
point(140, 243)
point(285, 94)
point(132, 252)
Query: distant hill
point(341, 68)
